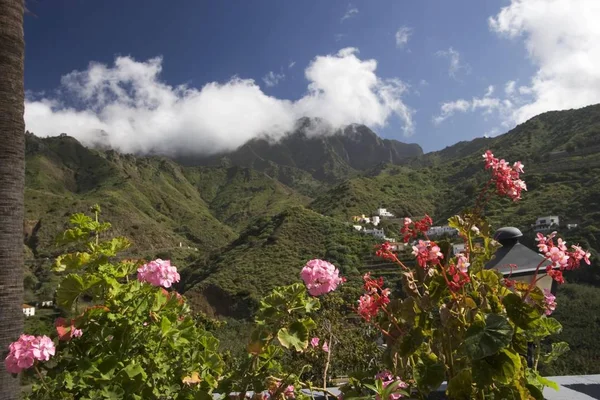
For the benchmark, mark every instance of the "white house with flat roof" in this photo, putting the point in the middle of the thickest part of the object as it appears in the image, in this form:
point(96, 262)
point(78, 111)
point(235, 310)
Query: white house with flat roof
point(383, 212)
point(458, 248)
point(441, 230)
point(28, 310)
point(546, 223)
point(378, 233)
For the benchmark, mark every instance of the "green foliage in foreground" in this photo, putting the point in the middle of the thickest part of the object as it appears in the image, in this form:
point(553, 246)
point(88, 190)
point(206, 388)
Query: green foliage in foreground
point(138, 341)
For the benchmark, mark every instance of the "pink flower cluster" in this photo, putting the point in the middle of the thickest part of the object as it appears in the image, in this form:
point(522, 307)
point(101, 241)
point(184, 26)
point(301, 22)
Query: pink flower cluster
point(374, 300)
point(23, 353)
point(274, 386)
point(412, 229)
point(506, 177)
point(387, 378)
point(560, 256)
point(458, 274)
point(320, 277)
point(427, 252)
point(314, 342)
point(158, 273)
point(549, 302)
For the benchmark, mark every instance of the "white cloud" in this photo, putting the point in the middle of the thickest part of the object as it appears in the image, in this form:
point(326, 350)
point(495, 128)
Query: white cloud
point(291, 64)
point(561, 38)
point(486, 104)
point(455, 63)
point(272, 79)
point(448, 109)
point(141, 113)
point(339, 36)
point(509, 88)
point(423, 82)
point(350, 12)
point(402, 36)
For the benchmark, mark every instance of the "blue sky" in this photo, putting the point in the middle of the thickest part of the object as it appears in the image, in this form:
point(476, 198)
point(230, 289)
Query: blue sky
point(431, 84)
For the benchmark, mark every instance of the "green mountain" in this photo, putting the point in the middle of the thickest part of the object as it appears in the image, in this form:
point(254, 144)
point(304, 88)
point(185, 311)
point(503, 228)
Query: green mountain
point(309, 154)
point(154, 201)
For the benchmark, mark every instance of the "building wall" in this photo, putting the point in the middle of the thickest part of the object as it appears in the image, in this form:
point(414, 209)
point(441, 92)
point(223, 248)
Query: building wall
point(29, 312)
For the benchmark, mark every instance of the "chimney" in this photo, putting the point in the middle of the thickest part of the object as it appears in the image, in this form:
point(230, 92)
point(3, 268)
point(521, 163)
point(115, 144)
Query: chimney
point(508, 236)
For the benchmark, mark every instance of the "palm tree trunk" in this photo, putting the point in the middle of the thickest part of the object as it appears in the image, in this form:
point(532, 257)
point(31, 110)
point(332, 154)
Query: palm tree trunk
point(12, 181)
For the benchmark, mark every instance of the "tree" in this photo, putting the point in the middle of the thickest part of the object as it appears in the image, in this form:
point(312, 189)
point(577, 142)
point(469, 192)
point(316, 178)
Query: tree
point(12, 181)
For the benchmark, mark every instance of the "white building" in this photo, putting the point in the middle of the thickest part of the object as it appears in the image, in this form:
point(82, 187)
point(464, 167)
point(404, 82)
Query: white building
point(546, 223)
point(383, 212)
point(458, 248)
point(378, 233)
point(357, 227)
point(47, 303)
point(571, 226)
point(28, 310)
point(441, 230)
point(376, 220)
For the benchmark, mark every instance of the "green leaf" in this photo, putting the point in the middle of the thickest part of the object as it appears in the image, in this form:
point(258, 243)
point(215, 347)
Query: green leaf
point(70, 262)
point(311, 304)
point(80, 220)
point(72, 286)
point(459, 386)
point(258, 340)
point(558, 349)
point(295, 335)
point(499, 368)
point(429, 373)
point(519, 312)
point(534, 378)
point(456, 222)
point(552, 325)
point(159, 300)
point(71, 235)
point(535, 392)
point(411, 342)
point(391, 389)
point(165, 325)
point(438, 288)
point(132, 370)
point(484, 339)
point(489, 277)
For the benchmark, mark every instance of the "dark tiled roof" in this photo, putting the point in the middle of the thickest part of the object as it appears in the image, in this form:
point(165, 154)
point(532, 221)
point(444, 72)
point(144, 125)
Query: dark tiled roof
point(523, 257)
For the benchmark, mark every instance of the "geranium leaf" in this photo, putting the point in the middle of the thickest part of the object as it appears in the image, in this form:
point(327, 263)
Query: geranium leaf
point(295, 335)
point(486, 338)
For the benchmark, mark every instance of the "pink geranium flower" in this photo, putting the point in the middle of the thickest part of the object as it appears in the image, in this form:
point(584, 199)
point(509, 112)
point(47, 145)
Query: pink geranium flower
point(158, 273)
point(320, 277)
point(314, 342)
point(26, 350)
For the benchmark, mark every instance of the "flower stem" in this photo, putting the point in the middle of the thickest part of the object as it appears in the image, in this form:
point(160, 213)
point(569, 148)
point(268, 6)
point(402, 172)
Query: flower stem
point(328, 360)
point(39, 374)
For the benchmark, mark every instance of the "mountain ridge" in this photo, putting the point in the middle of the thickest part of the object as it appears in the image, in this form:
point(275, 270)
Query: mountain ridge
point(327, 156)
